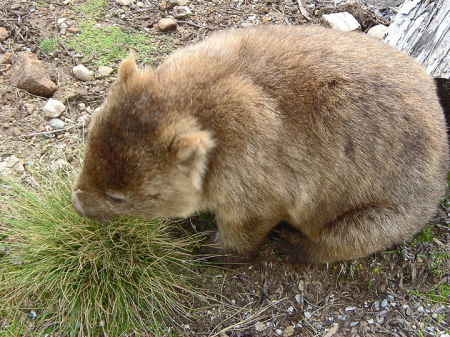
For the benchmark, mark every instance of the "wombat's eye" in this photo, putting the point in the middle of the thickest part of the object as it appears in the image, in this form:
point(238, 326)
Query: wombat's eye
point(115, 198)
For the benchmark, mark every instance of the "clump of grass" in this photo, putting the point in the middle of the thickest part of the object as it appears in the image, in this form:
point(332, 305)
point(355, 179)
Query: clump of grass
point(106, 44)
point(89, 279)
point(48, 45)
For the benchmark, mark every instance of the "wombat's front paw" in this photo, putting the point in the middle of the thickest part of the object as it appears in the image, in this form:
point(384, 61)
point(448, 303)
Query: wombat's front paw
point(293, 244)
point(211, 252)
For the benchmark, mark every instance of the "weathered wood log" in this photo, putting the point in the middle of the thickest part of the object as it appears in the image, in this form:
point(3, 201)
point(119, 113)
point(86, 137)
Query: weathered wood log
point(422, 30)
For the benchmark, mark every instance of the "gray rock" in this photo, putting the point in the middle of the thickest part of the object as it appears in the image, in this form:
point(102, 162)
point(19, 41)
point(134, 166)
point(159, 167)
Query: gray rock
point(30, 74)
point(181, 12)
point(56, 123)
point(343, 21)
point(307, 314)
point(279, 332)
point(352, 324)
point(350, 309)
point(378, 31)
point(384, 303)
point(247, 24)
point(82, 73)
point(53, 108)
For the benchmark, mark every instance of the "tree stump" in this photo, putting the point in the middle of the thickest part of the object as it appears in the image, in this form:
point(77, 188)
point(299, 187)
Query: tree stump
point(422, 29)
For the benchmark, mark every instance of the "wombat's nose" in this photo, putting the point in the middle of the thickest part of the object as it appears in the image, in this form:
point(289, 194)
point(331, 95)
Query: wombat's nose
point(77, 203)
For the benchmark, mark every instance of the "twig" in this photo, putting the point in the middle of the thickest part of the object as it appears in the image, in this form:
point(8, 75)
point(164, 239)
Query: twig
point(303, 10)
point(45, 133)
point(190, 23)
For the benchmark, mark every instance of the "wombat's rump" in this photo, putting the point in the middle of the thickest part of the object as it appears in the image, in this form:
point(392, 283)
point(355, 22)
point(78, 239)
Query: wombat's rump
point(335, 133)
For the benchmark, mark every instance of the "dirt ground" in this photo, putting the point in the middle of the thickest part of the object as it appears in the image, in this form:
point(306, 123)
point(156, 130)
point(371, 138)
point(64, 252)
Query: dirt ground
point(403, 292)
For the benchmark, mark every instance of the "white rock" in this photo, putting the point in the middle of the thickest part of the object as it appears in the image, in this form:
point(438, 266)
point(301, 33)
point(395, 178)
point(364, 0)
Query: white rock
point(307, 315)
point(81, 106)
point(279, 332)
point(105, 71)
point(82, 73)
point(260, 326)
point(181, 12)
point(124, 2)
point(343, 21)
point(61, 20)
point(56, 123)
point(53, 108)
point(378, 31)
point(12, 168)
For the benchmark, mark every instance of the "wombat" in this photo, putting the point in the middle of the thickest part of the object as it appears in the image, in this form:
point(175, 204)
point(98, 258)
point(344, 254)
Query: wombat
point(335, 133)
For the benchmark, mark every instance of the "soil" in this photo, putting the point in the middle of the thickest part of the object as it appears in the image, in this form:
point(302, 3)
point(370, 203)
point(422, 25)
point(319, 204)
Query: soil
point(387, 294)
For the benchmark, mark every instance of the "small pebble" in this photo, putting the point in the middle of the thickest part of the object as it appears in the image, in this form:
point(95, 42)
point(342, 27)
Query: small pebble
point(384, 303)
point(384, 312)
point(376, 306)
point(352, 324)
point(167, 24)
point(350, 308)
point(82, 73)
point(307, 314)
point(298, 299)
point(370, 321)
point(279, 332)
point(56, 123)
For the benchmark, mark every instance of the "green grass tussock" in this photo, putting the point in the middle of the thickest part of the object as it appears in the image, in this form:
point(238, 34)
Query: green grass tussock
point(87, 279)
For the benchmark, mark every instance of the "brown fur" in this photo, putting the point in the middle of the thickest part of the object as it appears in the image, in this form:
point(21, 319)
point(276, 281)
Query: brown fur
point(335, 133)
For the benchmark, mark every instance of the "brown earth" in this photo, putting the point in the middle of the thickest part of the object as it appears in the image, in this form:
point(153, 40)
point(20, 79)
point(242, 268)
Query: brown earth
point(382, 295)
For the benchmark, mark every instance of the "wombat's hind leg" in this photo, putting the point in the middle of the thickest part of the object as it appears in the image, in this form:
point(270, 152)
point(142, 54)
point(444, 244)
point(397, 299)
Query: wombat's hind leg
point(356, 233)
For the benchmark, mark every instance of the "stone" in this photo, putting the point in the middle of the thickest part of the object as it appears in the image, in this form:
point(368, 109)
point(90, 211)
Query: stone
point(279, 332)
point(352, 324)
point(30, 74)
point(384, 303)
point(181, 12)
point(63, 28)
point(53, 108)
point(61, 20)
point(124, 2)
point(82, 73)
point(247, 24)
point(378, 31)
point(56, 123)
point(58, 165)
point(6, 58)
point(288, 332)
point(172, 3)
point(260, 327)
point(162, 5)
point(105, 71)
point(81, 106)
point(343, 21)
point(29, 107)
point(12, 168)
point(307, 314)
point(167, 24)
point(83, 121)
point(265, 19)
point(73, 30)
point(3, 34)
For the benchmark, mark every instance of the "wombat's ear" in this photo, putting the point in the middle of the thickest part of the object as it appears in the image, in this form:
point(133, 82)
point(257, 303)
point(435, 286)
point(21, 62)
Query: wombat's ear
point(190, 150)
point(127, 68)
point(192, 145)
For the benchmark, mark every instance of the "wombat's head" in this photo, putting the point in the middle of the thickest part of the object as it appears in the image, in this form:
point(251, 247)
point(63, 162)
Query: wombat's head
point(142, 158)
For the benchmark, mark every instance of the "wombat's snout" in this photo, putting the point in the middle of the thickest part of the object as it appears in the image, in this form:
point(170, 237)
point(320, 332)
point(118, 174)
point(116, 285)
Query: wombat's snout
point(77, 203)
